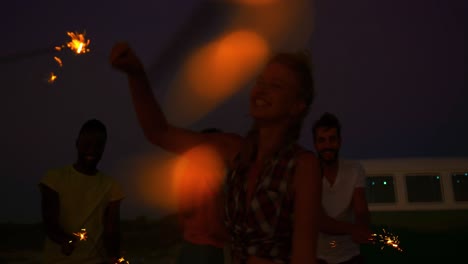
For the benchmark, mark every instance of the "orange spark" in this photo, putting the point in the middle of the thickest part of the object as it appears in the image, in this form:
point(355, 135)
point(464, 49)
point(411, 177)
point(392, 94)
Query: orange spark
point(388, 239)
point(78, 44)
point(82, 234)
point(52, 78)
point(58, 60)
point(122, 260)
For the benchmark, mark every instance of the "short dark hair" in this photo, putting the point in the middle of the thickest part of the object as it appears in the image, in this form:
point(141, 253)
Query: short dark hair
point(93, 125)
point(211, 130)
point(327, 120)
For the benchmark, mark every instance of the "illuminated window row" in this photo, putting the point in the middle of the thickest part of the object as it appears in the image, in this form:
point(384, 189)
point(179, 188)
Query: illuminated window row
point(419, 188)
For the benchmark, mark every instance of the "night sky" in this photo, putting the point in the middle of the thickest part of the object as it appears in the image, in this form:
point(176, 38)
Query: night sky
point(393, 72)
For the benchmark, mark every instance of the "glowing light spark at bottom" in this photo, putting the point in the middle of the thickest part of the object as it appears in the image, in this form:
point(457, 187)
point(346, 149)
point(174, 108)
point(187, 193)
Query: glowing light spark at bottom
point(387, 239)
point(82, 235)
point(52, 78)
point(79, 44)
point(122, 260)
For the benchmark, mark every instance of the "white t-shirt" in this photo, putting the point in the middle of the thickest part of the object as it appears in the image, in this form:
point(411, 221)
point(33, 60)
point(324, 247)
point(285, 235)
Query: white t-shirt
point(83, 200)
point(336, 201)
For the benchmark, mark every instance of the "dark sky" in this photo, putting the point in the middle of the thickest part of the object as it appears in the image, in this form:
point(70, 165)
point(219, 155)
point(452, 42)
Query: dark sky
point(393, 71)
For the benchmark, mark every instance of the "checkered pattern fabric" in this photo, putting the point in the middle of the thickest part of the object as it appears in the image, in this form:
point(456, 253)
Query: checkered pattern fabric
point(264, 227)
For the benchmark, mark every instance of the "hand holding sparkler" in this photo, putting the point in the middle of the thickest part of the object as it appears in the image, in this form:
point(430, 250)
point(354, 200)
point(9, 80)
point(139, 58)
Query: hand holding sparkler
point(383, 240)
point(124, 59)
point(361, 234)
point(120, 260)
point(82, 235)
point(69, 246)
point(387, 239)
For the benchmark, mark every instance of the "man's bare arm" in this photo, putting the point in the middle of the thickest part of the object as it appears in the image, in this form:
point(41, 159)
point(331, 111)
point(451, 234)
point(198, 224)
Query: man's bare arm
point(112, 229)
point(360, 208)
point(360, 229)
point(50, 205)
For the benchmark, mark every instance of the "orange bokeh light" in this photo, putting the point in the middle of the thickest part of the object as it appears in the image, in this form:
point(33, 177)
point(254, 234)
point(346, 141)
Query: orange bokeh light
point(198, 175)
point(220, 68)
point(254, 2)
point(172, 183)
point(214, 73)
point(217, 70)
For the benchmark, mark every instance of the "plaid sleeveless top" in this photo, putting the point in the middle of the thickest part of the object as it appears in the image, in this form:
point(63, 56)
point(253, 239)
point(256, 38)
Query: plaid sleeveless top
point(264, 228)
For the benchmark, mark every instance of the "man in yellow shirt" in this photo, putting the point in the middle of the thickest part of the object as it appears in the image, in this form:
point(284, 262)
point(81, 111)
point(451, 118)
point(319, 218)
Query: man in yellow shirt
point(77, 197)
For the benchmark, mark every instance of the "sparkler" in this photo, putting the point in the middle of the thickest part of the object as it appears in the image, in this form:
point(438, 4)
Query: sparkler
point(52, 77)
point(82, 235)
point(387, 239)
point(78, 44)
point(58, 60)
point(122, 260)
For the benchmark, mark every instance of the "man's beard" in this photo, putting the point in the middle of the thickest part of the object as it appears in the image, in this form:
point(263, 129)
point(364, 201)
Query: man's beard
point(328, 160)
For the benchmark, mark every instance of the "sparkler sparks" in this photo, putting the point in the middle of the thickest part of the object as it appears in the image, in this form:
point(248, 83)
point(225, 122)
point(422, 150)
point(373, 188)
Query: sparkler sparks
point(122, 260)
point(82, 234)
point(58, 60)
point(52, 77)
point(78, 44)
point(387, 239)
